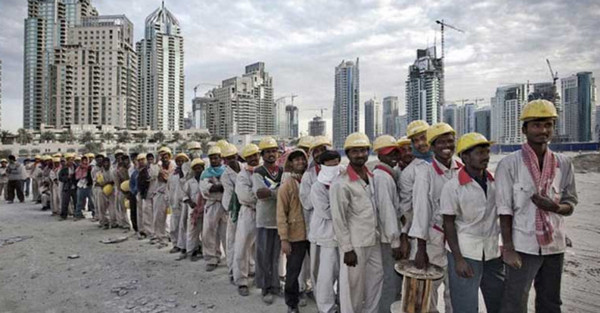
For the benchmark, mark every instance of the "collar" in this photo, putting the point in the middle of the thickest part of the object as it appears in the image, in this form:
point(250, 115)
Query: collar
point(464, 177)
point(386, 168)
point(353, 175)
point(439, 168)
point(317, 168)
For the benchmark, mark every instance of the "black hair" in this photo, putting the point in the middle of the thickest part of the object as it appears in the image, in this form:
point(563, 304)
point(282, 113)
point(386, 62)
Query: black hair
point(328, 155)
point(473, 148)
point(296, 153)
point(12, 157)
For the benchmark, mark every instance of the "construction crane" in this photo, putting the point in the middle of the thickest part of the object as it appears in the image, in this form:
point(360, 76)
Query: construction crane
point(442, 83)
point(292, 96)
point(555, 95)
point(203, 84)
point(321, 109)
point(463, 101)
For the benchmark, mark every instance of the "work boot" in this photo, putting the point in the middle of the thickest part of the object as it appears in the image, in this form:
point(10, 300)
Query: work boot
point(267, 297)
point(211, 267)
point(196, 255)
point(174, 250)
point(243, 291)
point(302, 299)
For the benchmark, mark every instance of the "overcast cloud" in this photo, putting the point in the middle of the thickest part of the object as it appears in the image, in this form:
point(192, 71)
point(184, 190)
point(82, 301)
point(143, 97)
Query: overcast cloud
point(301, 42)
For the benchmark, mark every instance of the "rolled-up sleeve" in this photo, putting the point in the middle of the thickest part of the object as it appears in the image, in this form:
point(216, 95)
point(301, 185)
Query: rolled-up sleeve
point(339, 205)
point(504, 188)
point(421, 207)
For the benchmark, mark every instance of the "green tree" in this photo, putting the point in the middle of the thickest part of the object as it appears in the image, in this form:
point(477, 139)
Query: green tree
point(159, 137)
point(86, 137)
point(93, 147)
point(142, 137)
point(107, 137)
point(67, 136)
point(4, 136)
point(24, 137)
point(23, 152)
point(124, 137)
point(216, 138)
point(47, 136)
point(176, 137)
point(5, 153)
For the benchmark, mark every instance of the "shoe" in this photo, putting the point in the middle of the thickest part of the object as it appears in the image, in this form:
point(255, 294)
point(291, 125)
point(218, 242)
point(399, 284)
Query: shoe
point(211, 267)
point(78, 218)
point(183, 251)
point(106, 227)
point(182, 256)
point(267, 298)
point(243, 291)
point(195, 256)
point(174, 250)
point(302, 300)
point(293, 310)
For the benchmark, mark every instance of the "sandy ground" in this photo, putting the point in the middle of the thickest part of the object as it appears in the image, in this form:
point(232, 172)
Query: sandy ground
point(134, 276)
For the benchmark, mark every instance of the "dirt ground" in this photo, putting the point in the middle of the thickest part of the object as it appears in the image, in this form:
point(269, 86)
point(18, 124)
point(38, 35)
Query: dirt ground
point(133, 276)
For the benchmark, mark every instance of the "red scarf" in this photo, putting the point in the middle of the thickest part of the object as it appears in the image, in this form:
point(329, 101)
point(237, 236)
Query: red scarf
point(81, 171)
point(543, 181)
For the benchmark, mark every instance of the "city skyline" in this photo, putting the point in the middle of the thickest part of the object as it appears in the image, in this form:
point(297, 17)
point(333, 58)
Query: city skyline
point(300, 57)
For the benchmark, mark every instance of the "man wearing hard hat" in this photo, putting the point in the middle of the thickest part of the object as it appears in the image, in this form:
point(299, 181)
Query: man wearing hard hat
point(160, 198)
point(194, 211)
point(36, 176)
point(55, 186)
point(427, 220)
point(175, 194)
point(214, 229)
point(356, 228)
point(69, 188)
point(468, 205)
point(265, 184)
point(535, 190)
point(387, 201)
point(230, 200)
point(245, 235)
point(3, 177)
point(106, 203)
point(305, 143)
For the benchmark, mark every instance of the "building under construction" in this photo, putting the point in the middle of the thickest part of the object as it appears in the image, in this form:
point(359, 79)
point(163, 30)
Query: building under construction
point(423, 87)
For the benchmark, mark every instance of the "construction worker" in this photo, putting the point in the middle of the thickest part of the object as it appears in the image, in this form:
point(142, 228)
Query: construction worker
point(230, 200)
point(305, 143)
point(387, 201)
point(417, 133)
point(265, 184)
point(406, 155)
point(319, 145)
point(69, 188)
point(175, 194)
point(468, 205)
point(83, 175)
point(56, 188)
point(535, 189)
point(427, 220)
point(36, 175)
point(144, 199)
point(121, 174)
point(354, 215)
point(194, 149)
point(96, 190)
point(45, 184)
point(321, 227)
point(214, 229)
point(106, 203)
point(3, 177)
point(245, 235)
point(160, 198)
point(291, 226)
point(195, 211)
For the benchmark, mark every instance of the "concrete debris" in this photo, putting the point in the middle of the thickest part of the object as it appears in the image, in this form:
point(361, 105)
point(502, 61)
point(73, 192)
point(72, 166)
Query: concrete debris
point(114, 240)
point(73, 256)
point(15, 239)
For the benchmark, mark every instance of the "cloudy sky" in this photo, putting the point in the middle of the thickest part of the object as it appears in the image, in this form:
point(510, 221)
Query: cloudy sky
point(301, 42)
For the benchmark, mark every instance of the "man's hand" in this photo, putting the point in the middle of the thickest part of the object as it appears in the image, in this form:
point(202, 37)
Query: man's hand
point(350, 258)
point(216, 188)
point(404, 247)
point(463, 269)
point(397, 253)
point(511, 258)
point(421, 259)
point(190, 203)
point(545, 203)
point(263, 193)
point(286, 248)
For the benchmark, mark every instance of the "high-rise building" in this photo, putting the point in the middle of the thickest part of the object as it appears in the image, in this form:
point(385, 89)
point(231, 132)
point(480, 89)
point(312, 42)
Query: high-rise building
point(95, 76)
point(199, 110)
point(423, 92)
point(401, 124)
point(579, 97)
point(291, 112)
point(372, 118)
point(316, 127)
point(506, 113)
point(46, 28)
point(450, 113)
point(483, 123)
point(469, 118)
point(281, 121)
point(390, 113)
point(161, 76)
point(597, 127)
point(346, 101)
point(262, 89)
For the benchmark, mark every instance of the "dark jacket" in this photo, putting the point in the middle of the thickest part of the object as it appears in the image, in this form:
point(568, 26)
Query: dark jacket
point(69, 181)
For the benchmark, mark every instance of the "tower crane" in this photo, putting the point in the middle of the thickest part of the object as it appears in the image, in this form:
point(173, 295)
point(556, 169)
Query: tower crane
point(443, 26)
point(291, 96)
point(203, 84)
point(555, 95)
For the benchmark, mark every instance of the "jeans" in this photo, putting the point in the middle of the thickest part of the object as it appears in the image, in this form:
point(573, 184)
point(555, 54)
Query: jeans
point(545, 272)
point(66, 197)
point(293, 266)
point(26, 184)
point(15, 187)
point(82, 194)
point(464, 292)
point(268, 247)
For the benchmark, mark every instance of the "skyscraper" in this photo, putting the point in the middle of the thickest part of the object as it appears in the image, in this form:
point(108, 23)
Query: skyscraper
point(450, 113)
point(46, 28)
point(199, 112)
point(262, 89)
point(316, 127)
point(291, 112)
point(390, 113)
point(483, 121)
point(506, 113)
point(423, 92)
point(161, 77)
point(579, 97)
point(370, 119)
point(280, 117)
point(95, 76)
point(346, 101)
point(401, 124)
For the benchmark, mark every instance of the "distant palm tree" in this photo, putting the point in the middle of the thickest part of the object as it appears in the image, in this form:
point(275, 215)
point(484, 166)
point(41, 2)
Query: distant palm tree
point(107, 137)
point(159, 137)
point(176, 137)
point(4, 135)
point(67, 136)
point(24, 137)
point(124, 137)
point(86, 137)
point(142, 137)
point(47, 136)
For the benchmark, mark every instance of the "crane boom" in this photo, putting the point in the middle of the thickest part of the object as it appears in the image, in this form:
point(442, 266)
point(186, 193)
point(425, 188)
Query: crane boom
point(554, 76)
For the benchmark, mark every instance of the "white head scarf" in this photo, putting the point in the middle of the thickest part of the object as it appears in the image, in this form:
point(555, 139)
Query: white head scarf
point(328, 174)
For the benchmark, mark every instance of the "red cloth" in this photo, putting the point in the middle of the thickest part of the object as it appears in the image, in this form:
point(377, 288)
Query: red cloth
point(81, 171)
point(198, 209)
point(543, 181)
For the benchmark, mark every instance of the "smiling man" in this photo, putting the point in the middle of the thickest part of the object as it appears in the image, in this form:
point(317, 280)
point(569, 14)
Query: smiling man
point(535, 190)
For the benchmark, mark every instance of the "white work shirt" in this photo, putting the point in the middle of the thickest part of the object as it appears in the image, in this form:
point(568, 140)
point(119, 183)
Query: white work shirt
point(321, 223)
point(308, 179)
point(514, 188)
point(476, 222)
point(243, 189)
point(426, 198)
point(228, 180)
point(387, 201)
point(407, 180)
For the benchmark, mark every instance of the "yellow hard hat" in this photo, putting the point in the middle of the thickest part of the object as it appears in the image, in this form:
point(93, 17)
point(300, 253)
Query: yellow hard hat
point(100, 178)
point(194, 145)
point(404, 141)
point(69, 155)
point(125, 186)
point(108, 190)
point(55, 160)
point(166, 150)
point(305, 142)
point(416, 127)
point(46, 158)
point(3, 161)
point(127, 204)
point(437, 130)
point(320, 141)
point(90, 155)
point(182, 156)
point(222, 144)
point(267, 143)
point(249, 150)
point(197, 161)
point(538, 109)
point(119, 151)
point(470, 140)
point(214, 150)
point(384, 141)
point(77, 158)
point(57, 155)
point(37, 157)
point(357, 140)
point(102, 154)
point(141, 156)
point(230, 150)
